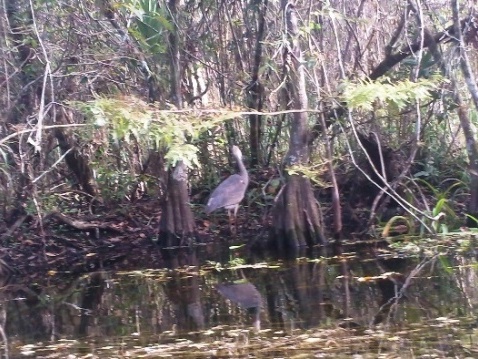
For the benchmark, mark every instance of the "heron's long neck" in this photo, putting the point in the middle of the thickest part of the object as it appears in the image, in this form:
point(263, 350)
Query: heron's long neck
point(242, 169)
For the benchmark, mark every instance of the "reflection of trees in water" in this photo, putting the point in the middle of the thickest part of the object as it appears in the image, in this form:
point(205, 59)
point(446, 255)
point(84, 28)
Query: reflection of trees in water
point(300, 294)
point(466, 278)
point(90, 300)
point(33, 318)
point(183, 289)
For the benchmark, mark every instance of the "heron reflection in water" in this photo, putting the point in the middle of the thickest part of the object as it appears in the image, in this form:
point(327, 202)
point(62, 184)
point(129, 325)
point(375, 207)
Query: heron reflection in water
point(231, 191)
point(246, 296)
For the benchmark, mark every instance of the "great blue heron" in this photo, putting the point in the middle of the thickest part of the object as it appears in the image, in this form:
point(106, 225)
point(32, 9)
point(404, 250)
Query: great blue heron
point(230, 192)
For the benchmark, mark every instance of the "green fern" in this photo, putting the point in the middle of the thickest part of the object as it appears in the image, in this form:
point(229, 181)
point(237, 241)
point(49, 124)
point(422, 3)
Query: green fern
point(127, 120)
point(365, 94)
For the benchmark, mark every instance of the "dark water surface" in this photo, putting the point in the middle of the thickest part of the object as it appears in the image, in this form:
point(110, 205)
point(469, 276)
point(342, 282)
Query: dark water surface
point(380, 305)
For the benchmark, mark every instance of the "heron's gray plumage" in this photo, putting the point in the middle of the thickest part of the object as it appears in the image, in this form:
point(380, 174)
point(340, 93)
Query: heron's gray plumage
point(231, 191)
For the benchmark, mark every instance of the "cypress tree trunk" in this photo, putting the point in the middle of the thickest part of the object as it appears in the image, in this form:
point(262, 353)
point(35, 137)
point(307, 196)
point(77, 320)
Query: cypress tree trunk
point(469, 129)
point(256, 92)
point(21, 36)
point(176, 227)
point(296, 217)
point(75, 161)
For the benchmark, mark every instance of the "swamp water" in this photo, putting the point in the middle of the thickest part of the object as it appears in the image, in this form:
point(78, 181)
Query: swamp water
point(421, 304)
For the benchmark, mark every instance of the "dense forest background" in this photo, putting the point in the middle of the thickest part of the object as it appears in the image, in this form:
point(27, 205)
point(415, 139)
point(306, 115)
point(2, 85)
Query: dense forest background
point(351, 115)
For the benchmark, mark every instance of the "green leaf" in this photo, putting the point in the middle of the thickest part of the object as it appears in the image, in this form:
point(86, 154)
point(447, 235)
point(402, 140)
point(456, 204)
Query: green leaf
point(366, 95)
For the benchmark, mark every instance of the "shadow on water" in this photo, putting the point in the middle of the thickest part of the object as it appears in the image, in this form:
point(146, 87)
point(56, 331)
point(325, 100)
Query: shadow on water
point(356, 301)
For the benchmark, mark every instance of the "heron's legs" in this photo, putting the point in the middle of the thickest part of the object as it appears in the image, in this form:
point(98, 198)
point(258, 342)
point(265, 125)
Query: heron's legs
point(235, 217)
point(232, 213)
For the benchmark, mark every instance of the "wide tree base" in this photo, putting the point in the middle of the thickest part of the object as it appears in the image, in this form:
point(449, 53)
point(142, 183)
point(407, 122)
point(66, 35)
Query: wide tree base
point(176, 228)
point(168, 240)
point(297, 221)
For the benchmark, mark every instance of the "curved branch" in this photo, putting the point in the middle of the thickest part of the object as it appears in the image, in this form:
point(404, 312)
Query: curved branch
point(387, 64)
